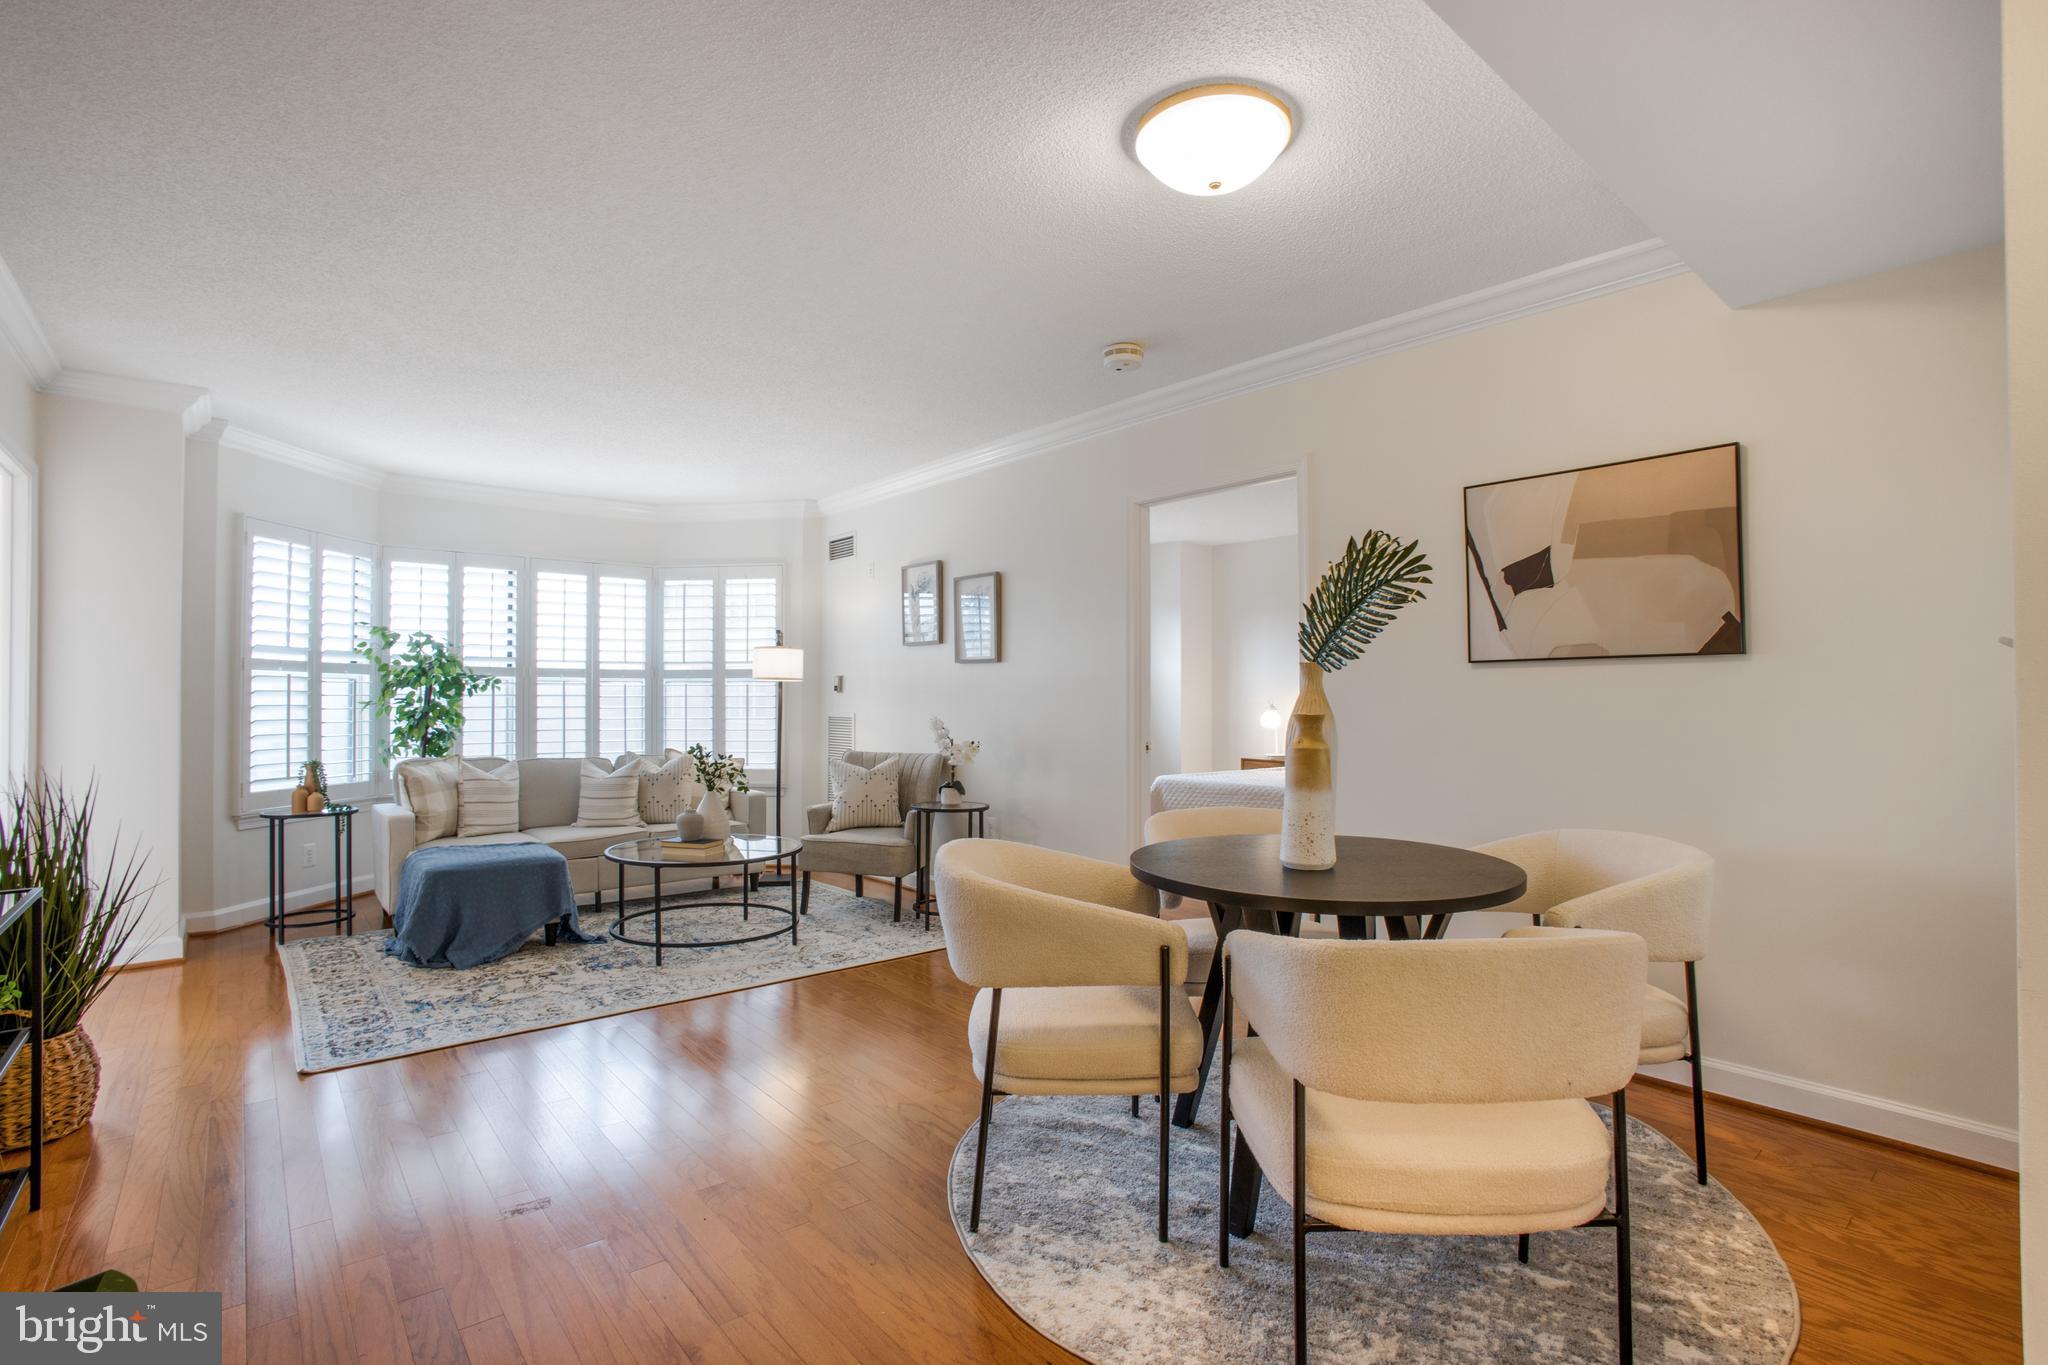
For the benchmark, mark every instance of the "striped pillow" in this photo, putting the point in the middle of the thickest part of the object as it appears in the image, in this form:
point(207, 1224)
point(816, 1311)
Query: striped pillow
point(430, 794)
point(487, 802)
point(864, 798)
point(608, 798)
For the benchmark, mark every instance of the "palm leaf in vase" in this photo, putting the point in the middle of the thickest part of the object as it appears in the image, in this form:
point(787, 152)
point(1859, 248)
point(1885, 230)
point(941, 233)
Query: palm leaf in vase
point(1358, 596)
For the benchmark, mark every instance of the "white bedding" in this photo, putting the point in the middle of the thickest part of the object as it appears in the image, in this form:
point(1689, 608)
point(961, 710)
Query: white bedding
point(1179, 791)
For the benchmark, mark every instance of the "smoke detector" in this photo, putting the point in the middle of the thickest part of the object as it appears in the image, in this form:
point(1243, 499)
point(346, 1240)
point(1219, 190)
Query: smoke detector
point(1123, 355)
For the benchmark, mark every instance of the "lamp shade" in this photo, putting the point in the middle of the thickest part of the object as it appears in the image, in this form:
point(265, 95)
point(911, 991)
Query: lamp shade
point(778, 663)
point(1271, 719)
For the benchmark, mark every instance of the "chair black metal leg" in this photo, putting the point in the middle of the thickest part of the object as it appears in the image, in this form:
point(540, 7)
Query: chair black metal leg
point(988, 1100)
point(1134, 1106)
point(1300, 1225)
point(859, 885)
point(1166, 988)
point(1522, 1249)
point(1223, 1130)
point(1699, 1088)
point(896, 901)
point(1624, 1280)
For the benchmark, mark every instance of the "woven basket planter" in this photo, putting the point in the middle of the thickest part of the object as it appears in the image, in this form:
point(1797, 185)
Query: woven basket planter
point(71, 1086)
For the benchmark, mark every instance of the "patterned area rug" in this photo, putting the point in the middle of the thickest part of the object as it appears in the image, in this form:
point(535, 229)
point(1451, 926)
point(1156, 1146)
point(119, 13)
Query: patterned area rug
point(353, 1003)
point(1067, 1239)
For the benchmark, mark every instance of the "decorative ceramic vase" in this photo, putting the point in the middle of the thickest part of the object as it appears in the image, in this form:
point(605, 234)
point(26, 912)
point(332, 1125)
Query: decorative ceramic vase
point(1308, 810)
point(689, 825)
point(717, 820)
point(316, 802)
point(950, 796)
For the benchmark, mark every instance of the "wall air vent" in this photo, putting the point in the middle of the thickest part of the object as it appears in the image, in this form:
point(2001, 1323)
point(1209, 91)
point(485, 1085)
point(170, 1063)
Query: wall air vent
point(838, 737)
point(841, 548)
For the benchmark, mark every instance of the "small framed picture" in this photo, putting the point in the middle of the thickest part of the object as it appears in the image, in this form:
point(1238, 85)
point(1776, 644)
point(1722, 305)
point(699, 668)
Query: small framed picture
point(978, 618)
point(923, 603)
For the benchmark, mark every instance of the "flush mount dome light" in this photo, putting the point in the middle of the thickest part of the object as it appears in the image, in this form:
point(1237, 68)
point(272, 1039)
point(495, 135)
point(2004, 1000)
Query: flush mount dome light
point(1213, 139)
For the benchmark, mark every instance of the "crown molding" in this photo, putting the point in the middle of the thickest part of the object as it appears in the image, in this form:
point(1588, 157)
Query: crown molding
point(24, 335)
point(784, 509)
point(231, 437)
point(193, 406)
point(1611, 271)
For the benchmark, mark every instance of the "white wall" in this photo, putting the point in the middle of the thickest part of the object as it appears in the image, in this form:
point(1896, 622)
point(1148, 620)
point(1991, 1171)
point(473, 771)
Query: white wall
point(226, 484)
point(111, 585)
point(1257, 598)
point(1852, 774)
point(2026, 245)
point(1163, 731)
point(1197, 658)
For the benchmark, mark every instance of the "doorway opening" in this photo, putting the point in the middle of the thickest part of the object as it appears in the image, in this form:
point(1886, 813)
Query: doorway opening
point(1224, 593)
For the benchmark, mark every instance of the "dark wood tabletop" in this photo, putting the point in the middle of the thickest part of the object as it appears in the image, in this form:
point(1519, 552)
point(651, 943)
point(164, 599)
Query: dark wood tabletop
point(1377, 877)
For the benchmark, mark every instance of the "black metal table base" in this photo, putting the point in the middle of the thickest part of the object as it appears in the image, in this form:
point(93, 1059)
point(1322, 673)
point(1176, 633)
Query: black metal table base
point(925, 904)
point(746, 905)
point(341, 914)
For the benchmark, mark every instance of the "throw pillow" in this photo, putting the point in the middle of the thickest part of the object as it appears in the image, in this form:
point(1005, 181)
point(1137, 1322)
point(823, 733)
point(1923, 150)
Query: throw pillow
point(487, 802)
point(608, 798)
point(864, 798)
point(667, 790)
point(430, 795)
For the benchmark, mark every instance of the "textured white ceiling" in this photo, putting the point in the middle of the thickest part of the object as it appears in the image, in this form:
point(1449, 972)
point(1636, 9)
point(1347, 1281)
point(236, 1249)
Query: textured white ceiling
point(1777, 146)
point(650, 249)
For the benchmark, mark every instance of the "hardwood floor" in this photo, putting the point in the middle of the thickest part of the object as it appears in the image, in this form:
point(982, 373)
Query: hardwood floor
point(752, 1177)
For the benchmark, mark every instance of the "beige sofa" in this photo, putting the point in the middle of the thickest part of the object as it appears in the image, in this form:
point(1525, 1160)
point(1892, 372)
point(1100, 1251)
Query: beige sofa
point(548, 792)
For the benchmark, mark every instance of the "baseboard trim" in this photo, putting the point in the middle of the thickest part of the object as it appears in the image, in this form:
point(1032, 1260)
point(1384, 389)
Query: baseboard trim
point(1909, 1125)
point(254, 912)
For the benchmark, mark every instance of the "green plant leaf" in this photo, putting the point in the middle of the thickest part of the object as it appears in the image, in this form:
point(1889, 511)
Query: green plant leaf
point(1358, 596)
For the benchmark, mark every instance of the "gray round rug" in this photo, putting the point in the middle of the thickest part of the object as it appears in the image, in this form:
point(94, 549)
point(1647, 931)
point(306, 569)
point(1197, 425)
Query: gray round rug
point(1068, 1240)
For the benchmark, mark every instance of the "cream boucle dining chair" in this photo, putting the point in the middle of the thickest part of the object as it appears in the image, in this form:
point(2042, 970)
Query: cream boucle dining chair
point(1202, 822)
point(1657, 888)
point(1466, 1117)
point(1089, 974)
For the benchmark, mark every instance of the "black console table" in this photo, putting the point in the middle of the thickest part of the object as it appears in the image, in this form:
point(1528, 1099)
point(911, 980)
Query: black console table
point(21, 909)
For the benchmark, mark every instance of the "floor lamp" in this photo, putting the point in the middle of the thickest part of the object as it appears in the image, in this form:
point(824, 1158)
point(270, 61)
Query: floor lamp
point(779, 664)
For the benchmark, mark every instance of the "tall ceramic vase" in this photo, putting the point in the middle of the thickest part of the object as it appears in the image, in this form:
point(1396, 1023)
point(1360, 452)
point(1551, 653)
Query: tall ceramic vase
point(1308, 811)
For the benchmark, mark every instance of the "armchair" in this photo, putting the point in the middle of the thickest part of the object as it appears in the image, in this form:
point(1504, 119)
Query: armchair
point(884, 852)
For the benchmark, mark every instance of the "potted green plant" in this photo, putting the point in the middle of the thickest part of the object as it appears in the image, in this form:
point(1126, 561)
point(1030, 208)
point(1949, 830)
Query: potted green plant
point(421, 685)
point(88, 923)
point(720, 775)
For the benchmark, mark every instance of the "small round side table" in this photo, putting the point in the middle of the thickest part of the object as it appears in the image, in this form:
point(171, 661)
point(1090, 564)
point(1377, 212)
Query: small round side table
point(343, 911)
point(922, 814)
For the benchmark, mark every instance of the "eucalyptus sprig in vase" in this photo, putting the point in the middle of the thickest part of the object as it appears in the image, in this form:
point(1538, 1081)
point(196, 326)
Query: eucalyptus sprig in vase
point(1355, 600)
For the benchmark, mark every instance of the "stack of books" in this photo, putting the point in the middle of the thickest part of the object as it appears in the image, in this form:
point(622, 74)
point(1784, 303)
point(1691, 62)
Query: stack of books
point(697, 850)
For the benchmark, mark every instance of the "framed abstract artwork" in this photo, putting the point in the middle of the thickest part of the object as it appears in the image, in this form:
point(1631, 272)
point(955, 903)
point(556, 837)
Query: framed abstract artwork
point(1624, 560)
point(923, 603)
point(978, 618)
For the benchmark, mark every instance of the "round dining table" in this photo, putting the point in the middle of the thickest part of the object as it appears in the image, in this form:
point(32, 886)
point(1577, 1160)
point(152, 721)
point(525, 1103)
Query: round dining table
point(1411, 888)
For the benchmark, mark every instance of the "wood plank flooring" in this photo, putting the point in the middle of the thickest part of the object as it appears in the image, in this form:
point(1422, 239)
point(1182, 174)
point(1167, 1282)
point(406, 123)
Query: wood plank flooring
point(752, 1177)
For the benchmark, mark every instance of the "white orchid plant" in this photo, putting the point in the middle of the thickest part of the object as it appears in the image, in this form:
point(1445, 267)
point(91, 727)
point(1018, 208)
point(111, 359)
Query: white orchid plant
point(958, 753)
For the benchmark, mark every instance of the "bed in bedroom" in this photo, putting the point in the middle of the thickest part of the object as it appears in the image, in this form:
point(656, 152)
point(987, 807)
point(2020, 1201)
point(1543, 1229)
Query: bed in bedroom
point(1178, 791)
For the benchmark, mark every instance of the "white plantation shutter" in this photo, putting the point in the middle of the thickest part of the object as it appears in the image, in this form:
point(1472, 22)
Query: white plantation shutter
point(621, 664)
point(280, 605)
point(310, 601)
point(347, 595)
point(688, 644)
point(747, 723)
point(419, 598)
point(490, 645)
point(562, 645)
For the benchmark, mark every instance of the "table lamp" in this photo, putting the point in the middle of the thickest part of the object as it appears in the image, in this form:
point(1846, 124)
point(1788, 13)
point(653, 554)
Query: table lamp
point(1271, 719)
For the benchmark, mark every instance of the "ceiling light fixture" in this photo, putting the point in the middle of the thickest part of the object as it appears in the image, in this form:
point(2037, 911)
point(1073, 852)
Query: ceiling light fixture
point(1212, 139)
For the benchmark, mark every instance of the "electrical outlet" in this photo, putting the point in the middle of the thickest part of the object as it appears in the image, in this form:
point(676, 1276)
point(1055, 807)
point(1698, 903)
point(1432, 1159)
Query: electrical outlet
point(305, 855)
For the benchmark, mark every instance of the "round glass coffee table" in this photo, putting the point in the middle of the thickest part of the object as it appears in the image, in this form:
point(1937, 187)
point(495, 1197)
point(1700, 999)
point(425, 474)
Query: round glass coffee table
point(742, 855)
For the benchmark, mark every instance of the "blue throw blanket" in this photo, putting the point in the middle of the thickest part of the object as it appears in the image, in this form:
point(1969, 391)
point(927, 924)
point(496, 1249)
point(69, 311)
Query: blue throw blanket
point(463, 906)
